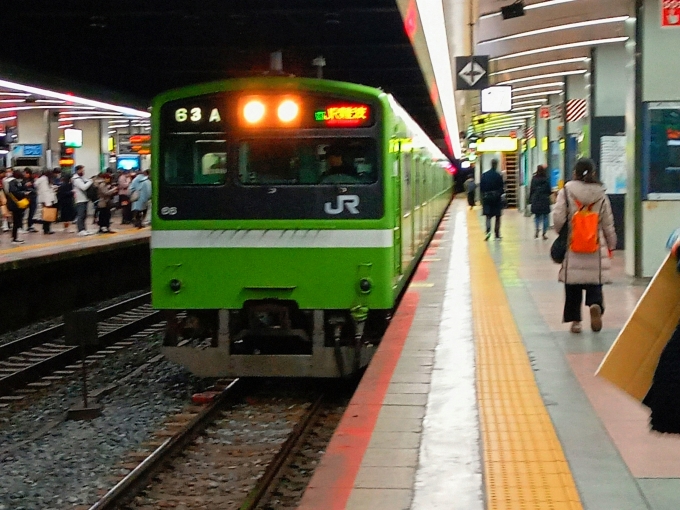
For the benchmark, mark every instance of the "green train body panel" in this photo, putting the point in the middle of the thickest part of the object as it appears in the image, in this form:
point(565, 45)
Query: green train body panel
point(315, 278)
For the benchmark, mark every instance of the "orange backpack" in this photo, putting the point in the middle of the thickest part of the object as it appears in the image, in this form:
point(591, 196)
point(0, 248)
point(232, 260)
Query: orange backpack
point(585, 229)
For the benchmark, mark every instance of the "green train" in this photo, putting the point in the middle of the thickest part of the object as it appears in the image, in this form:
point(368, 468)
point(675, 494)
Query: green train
point(288, 215)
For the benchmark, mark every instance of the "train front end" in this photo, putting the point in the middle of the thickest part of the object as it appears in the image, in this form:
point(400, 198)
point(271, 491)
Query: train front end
point(271, 248)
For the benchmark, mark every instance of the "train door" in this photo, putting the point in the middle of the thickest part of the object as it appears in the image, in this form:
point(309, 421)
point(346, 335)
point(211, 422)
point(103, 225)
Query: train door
point(397, 194)
point(416, 204)
point(407, 209)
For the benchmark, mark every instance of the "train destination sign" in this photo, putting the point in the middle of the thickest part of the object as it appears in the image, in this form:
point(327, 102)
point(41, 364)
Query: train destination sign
point(268, 111)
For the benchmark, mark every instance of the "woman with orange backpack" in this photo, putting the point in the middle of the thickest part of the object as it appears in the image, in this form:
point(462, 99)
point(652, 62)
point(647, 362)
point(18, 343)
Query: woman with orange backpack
point(583, 208)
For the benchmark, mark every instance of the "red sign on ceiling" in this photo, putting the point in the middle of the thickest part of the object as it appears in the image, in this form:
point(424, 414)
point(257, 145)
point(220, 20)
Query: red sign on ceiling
point(670, 13)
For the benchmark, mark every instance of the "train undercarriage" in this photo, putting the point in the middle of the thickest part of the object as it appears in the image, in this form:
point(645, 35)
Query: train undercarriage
point(274, 338)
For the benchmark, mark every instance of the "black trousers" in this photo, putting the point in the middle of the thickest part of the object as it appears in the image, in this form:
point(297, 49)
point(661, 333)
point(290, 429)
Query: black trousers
point(104, 218)
point(573, 296)
point(497, 225)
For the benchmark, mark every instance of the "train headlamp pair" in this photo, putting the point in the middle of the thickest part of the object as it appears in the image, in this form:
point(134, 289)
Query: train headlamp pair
point(254, 111)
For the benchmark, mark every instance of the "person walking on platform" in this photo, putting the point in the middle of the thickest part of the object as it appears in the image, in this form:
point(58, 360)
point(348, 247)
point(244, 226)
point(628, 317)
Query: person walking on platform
point(583, 268)
point(80, 186)
point(470, 189)
point(492, 188)
point(17, 203)
point(539, 198)
point(46, 212)
point(67, 210)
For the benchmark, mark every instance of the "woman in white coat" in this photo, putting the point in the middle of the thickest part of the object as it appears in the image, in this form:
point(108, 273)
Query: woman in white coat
point(585, 271)
point(46, 209)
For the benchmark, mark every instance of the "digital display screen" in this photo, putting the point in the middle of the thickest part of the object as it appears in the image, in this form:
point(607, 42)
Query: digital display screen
point(127, 163)
point(73, 138)
point(271, 110)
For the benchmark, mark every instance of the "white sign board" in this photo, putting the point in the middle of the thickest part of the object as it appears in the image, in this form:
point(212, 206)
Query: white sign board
point(496, 99)
point(613, 163)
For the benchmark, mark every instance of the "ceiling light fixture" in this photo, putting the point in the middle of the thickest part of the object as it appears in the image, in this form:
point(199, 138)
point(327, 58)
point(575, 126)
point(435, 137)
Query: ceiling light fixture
point(592, 42)
point(549, 3)
point(541, 86)
point(434, 28)
point(537, 94)
point(540, 76)
point(73, 99)
point(568, 26)
point(530, 101)
point(541, 64)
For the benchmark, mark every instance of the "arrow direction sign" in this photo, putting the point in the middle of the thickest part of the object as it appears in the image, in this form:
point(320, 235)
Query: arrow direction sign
point(472, 72)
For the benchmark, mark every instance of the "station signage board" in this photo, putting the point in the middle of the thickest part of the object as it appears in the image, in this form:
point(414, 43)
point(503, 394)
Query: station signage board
point(670, 13)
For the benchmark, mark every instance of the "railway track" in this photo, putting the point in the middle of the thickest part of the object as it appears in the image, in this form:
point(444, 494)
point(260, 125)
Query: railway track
point(228, 454)
point(32, 357)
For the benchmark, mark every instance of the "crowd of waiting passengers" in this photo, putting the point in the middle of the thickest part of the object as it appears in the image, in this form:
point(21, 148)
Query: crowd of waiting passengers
point(29, 199)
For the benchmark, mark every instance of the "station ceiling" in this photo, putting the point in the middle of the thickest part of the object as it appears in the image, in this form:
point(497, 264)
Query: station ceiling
point(138, 49)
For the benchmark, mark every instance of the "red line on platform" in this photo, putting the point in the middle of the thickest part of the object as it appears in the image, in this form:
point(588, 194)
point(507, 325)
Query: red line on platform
point(333, 479)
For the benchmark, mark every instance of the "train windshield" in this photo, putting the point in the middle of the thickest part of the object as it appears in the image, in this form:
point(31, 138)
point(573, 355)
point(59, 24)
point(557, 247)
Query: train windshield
point(192, 159)
point(306, 161)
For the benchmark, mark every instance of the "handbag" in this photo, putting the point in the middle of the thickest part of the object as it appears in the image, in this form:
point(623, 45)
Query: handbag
point(21, 204)
point(49, 214)
point(558, 250)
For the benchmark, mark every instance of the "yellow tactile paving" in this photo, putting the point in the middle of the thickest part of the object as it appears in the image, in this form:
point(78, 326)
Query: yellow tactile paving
point(524, 465)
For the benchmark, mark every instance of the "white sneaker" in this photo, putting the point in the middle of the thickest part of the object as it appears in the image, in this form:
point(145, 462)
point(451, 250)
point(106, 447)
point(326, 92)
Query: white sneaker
point(22, 231)
point(83, 233)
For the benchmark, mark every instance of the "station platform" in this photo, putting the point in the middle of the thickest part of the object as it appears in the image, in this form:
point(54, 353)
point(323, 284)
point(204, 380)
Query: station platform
point(479, 397)
point(39, 248)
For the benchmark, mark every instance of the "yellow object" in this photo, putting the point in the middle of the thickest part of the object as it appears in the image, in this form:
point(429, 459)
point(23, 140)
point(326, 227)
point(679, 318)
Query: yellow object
point(544, 144)
point(632, 358)
point(524, 464)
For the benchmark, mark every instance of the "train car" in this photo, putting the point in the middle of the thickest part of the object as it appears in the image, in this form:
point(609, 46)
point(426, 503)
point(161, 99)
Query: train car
point(288, 215)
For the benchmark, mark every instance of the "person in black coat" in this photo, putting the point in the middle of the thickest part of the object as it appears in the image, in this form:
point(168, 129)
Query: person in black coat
point(539, 198)
point(67, 209)
point(492, 188)
point(16, 192)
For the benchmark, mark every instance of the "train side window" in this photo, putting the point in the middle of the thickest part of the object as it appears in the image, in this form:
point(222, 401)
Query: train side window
point(193, 160)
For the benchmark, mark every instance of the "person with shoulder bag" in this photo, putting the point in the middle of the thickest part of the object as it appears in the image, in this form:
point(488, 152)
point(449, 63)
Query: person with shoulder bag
point(539, 198)
point(105, 202)
point(140, 194)
point(46, 210)
point(584, 207)
point(80, 187)
point(17, 203)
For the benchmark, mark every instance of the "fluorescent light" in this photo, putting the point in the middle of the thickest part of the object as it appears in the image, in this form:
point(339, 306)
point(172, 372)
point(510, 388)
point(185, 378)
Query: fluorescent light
point(541, 64)
point(568, 26)
point(64, 126)
point(530, 101)
point(54, 101)
point(549, 3)
point(539, 76)
point(12, 100)
point(543, 85)
point(537, 94)
point(64, 119)
point(14, 94)
point(525, 107)
point(5, 119)
point(74, 99)
point(432, 19)
point(567, 46)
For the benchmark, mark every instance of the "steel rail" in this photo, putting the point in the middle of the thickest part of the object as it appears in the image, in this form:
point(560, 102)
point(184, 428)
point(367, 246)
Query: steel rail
point(138, 477)
point(264, 484)
point(72, 354)
point(53, 332)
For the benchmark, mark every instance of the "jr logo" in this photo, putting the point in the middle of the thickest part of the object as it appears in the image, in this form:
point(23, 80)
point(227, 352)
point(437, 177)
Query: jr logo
point(350, 202)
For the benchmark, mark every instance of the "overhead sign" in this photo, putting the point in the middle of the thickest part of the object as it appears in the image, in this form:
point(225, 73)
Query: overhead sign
point(28, 150)
point(670, 13)
point(496, 99)
point(544, 112)
point(472, 73)
point(497, 144)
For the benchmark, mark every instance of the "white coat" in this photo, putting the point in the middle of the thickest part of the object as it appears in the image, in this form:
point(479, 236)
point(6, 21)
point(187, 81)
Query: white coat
point(45, 195)
point(586, 268)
